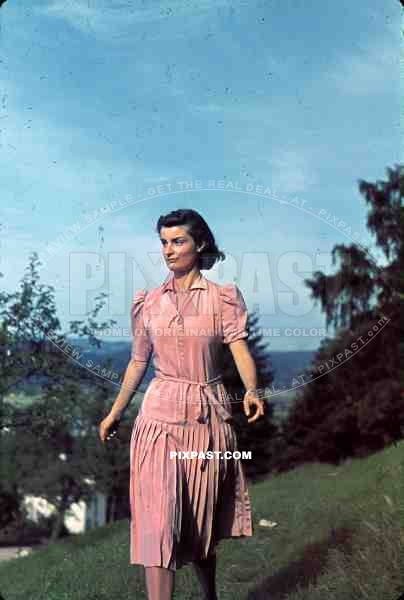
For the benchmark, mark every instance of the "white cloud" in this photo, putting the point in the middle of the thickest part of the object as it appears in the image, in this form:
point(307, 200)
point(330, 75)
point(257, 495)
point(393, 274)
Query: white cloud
point(105, 21)
point(66, 159)
point(291, 170)
point(369, 70)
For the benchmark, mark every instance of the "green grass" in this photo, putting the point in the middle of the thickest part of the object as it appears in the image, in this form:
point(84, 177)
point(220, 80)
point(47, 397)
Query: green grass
point(340, 535)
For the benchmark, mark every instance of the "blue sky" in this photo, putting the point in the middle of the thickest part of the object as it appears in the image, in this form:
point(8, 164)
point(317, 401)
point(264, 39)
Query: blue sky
point(101, 101)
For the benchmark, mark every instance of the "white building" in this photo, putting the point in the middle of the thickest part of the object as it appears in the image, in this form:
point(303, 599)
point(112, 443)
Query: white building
point(80, 517)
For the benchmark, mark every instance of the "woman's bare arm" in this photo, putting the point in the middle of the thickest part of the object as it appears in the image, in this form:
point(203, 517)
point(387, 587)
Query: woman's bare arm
point(244, 362)
point(133, 376)
point(246, 367)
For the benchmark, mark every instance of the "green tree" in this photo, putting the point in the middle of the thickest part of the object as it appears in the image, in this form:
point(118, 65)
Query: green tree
point(50, 446)
point(356, 408)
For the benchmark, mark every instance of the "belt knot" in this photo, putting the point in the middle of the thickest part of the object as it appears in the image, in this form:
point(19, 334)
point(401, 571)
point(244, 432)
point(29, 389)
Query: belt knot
point(221, 412)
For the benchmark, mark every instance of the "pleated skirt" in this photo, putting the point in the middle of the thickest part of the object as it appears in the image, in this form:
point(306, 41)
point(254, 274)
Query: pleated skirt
point(179, 512)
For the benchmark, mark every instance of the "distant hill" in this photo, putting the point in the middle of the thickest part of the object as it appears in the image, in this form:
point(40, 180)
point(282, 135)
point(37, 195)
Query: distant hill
point(286, 365)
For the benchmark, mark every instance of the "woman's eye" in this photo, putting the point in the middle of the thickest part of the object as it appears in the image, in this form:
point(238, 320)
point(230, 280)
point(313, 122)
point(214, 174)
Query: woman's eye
point(178, 242)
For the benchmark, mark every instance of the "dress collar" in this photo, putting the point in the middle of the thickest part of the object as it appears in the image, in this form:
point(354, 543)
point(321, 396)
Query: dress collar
point(199, 283)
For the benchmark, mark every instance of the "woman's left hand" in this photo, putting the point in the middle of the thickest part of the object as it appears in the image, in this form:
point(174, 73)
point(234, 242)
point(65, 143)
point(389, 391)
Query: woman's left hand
point(251, 399)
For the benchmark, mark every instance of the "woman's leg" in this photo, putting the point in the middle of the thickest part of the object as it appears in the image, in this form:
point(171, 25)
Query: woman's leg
point(159, 583)
point(206, 573)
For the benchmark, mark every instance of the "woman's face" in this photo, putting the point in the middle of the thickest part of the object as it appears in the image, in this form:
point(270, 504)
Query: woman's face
point(178, 245)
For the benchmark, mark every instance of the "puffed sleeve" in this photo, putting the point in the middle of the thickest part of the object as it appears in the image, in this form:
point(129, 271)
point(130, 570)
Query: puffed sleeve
point(234, 313)
point(141, 343)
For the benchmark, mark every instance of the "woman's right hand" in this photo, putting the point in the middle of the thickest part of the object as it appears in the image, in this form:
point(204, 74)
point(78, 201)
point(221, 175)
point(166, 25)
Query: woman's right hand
point(105, 426)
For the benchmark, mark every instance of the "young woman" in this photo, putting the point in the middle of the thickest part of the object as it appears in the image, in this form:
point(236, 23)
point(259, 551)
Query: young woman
point(181, 506)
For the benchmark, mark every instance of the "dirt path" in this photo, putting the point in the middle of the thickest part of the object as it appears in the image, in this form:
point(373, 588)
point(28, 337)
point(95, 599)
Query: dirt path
point(12, 552)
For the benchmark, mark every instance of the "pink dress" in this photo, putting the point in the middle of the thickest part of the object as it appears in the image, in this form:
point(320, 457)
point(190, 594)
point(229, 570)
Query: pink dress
point(181, 508)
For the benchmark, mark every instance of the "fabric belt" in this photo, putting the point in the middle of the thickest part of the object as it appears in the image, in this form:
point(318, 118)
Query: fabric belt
point(205, 408)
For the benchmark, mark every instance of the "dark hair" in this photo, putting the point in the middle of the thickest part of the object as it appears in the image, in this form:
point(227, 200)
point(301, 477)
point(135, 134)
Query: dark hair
point(199, 230)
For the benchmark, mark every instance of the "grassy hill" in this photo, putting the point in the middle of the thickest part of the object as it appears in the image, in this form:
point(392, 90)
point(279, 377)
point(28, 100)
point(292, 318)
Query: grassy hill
point(340, 536)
